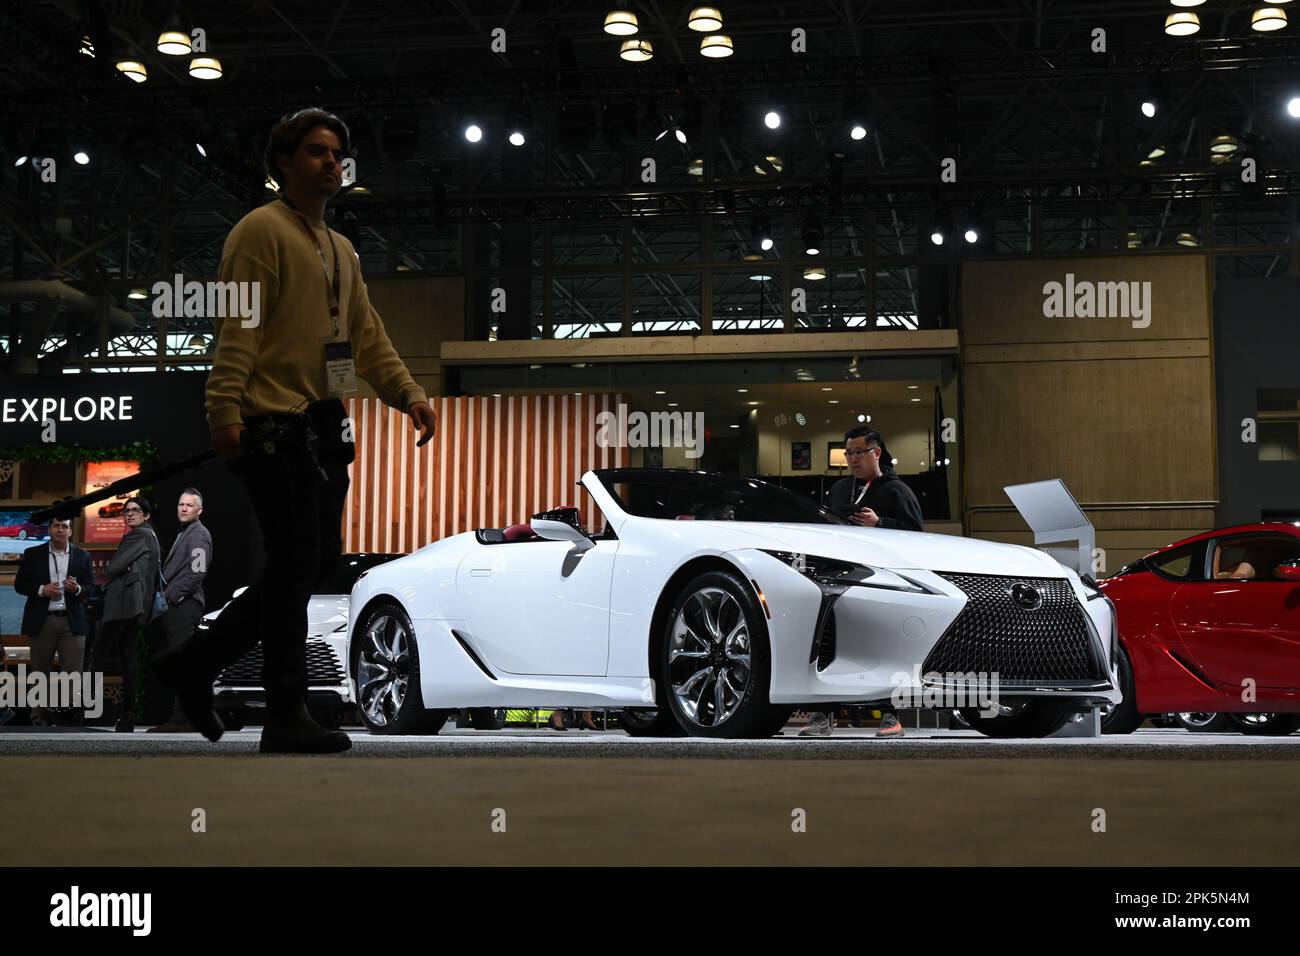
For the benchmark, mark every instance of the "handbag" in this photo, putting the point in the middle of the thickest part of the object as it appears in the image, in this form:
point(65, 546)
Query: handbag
point(159, 606)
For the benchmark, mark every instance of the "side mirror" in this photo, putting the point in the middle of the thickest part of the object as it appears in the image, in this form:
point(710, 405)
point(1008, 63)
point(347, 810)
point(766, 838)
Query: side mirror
point(553, 530)
point(1288, 571)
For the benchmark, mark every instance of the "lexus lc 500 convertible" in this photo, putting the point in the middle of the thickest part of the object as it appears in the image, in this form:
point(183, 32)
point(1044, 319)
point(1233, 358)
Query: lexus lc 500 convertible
point(715, 606)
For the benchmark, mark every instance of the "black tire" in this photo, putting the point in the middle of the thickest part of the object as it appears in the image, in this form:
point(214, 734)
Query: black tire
point(1203, 723)
point(232, 717)
point(649, 722)
point(1031, 718)
point(1265, 725)
point(386, 664)
point(486, 718)
point(1123, 718)
point(749, 714)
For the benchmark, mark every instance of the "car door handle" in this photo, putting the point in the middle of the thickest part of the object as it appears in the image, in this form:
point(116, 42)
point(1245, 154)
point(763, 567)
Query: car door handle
point(480, 572)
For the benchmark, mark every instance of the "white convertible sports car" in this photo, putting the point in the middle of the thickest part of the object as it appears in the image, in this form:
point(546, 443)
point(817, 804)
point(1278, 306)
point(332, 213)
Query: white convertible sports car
point(715, 606)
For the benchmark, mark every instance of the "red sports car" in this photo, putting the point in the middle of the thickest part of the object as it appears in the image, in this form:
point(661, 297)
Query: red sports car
point(1209, 621)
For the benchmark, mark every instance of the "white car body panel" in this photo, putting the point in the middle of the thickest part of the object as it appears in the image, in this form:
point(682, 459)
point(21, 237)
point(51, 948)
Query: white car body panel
point(556, 627)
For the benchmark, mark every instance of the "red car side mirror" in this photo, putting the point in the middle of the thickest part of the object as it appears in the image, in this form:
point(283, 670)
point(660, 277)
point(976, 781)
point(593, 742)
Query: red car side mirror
point(1287, 572)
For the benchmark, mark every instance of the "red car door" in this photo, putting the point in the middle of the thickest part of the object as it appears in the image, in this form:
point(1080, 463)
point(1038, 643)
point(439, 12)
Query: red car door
point(1244, 622)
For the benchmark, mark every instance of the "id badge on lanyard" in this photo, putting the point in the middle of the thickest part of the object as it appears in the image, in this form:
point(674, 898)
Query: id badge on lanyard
point(338, 363)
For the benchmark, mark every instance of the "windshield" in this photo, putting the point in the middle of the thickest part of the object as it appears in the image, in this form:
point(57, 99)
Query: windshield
point(700, 496)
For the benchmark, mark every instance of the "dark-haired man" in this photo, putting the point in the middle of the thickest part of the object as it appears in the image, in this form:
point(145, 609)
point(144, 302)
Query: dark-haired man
point(57, 580)
point(872, 496)
point(273, 399)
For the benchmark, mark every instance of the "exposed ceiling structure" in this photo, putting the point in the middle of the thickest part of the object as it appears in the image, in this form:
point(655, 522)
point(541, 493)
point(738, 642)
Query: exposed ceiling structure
point(1052, 152)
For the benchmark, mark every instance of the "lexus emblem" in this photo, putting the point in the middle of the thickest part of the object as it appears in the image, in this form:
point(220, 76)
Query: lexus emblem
point(1026, 596)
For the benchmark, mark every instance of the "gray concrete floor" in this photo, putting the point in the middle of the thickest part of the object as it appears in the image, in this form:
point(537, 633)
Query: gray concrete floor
point(932, 798)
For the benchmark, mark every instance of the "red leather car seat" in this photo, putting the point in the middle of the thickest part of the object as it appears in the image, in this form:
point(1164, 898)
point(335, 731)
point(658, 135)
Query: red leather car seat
point(520, 532)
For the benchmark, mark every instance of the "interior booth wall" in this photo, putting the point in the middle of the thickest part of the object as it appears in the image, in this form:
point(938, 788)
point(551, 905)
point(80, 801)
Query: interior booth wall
point(494, 462)
point(1123, 414)
point(166, 410)
point(1256, 347)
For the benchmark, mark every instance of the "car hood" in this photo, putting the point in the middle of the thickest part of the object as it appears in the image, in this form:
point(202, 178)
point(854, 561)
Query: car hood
point(885, 548)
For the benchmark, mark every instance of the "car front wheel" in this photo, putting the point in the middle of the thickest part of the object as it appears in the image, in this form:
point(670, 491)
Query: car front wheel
point(715, 662)
point(648, 722)
point(1199, 722)
point(1123, 718)
point(1030, 718)
point(1265, 725)
point(386, 661)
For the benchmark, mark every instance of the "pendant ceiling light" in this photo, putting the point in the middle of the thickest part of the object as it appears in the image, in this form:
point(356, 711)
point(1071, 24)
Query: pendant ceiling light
point(173, 40)
point(717, 46)
point(621, 23)
point(705, 19)
point(636, 51)
point(134, 69)
point(1267, 19)
point(1182, 23)
point(205, 68)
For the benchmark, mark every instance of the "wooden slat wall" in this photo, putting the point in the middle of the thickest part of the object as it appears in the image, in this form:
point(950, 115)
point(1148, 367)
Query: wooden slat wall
point(494, 462)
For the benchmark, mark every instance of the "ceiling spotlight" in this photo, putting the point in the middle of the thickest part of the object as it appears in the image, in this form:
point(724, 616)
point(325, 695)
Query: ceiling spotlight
point(761, 277)
point(1157, 152)
point(1134, 241)
point(1267, 19)
point(1225, 143)
point(134, 70)
point(774, 161)
point(660, 391)
point(19, 161)
point(812, 235)
point(742, 391)
point(705, 19)
point(936, 237)
point(1182, 23)
point(858, 131)
point(696, 167)
point(761, 230)
point(1293, 106)
point(517, 137)
point(473, 133)
point(1156, 93)
point(1188, 3)
point(173, 41)
point(716, 46)
point(636, 51)
point(680, 134)
point(621, 23)
point(1186, 239)
point(137, 294)
point(202, 152)
point(735, 426)
point(800, 418)
point(772, 119)
point(87, 48)
point(971, 235)
point(82, 157)
point(205, 68)
point(1149, 108)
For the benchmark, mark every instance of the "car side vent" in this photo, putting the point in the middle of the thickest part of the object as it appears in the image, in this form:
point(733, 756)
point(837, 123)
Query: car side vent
point(823, 644)
point(472, 656)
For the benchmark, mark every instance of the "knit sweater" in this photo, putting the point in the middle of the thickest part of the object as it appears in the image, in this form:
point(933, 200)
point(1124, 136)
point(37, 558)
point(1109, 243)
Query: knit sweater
point(278, 365)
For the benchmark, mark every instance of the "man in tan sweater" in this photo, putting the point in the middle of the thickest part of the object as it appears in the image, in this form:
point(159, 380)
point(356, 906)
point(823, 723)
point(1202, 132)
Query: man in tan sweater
point(282, 374)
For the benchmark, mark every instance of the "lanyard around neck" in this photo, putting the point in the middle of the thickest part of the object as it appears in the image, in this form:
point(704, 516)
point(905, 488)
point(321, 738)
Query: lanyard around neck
point(331, 287)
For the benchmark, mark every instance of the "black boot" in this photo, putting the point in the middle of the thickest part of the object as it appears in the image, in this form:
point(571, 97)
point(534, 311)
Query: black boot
point(294, 732)
point(193, 695)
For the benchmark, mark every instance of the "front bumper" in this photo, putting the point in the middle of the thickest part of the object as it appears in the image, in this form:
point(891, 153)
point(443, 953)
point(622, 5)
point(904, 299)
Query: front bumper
point(884, 642)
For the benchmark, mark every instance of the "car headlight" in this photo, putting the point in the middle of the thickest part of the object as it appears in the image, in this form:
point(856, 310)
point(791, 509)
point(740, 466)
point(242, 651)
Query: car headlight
point(834, 573)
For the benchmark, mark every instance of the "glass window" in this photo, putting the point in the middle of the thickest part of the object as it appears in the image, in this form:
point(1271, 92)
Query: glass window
point(1175, 564)
point(1253, 557)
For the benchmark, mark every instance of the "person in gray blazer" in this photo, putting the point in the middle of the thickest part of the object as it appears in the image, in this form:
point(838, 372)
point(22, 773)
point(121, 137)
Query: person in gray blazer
point(128, 597)
point(183, 570)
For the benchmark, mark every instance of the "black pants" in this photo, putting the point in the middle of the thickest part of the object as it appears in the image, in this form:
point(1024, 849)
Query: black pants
point(120, 636)
point(300, 512)
point(178, 626)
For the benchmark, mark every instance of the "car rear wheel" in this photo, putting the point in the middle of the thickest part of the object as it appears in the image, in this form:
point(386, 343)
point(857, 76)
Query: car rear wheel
point(715, 661)
point(1123, 718)
point(386, 661)
point(1030, 718)
point(1265, 725)
point(486, 718)
point(1199, 722)
point(649, 722)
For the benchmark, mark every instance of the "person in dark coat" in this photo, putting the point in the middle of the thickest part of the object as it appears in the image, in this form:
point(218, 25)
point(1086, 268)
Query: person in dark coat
point(873, 496)
point(128, 597)
point(57, 580)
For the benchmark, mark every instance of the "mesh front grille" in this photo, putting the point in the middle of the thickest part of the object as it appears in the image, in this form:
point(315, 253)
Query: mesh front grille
point(323, 668)
point(993, 634)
